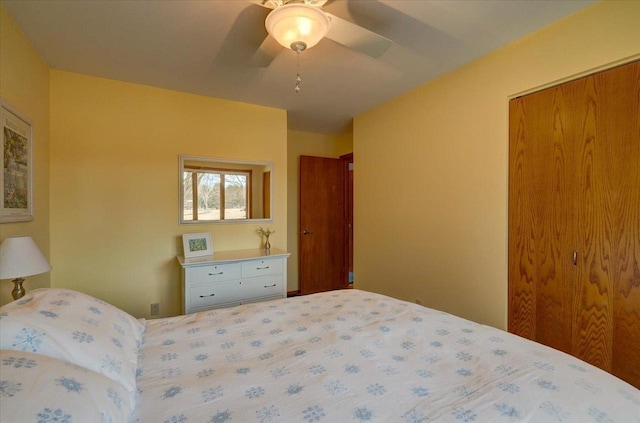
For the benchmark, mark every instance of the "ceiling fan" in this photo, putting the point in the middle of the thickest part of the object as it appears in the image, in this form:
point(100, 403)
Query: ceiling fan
point(301, 24)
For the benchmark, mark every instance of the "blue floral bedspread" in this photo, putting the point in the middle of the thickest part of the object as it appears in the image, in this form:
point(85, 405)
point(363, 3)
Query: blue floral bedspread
point(354, 356)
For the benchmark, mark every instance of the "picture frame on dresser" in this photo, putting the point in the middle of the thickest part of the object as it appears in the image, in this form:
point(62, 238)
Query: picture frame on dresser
point(197, 245)
point(16, 178)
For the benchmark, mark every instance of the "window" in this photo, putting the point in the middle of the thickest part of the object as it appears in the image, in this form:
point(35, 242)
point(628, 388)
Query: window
point(215, 194)
point(216, 190)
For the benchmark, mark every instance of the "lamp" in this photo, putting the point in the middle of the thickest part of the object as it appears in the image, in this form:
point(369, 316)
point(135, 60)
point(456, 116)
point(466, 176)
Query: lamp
point(20, 257)
point(297, 26)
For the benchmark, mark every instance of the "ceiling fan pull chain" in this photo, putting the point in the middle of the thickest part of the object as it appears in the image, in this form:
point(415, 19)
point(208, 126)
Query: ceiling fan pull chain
point(298, 79)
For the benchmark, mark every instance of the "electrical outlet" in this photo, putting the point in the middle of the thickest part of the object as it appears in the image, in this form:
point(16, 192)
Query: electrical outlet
point(155, 309)
point(418, 301)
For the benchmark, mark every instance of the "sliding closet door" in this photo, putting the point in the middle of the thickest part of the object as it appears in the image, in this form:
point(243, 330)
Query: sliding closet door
point(574, 219)
point(607, 325)
point(541, 176)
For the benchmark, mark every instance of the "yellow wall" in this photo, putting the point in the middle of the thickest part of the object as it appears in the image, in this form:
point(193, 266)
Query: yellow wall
point(430, 218)
point(431, 173)
point(24, 85)
point(114, 183)
point(306, 144)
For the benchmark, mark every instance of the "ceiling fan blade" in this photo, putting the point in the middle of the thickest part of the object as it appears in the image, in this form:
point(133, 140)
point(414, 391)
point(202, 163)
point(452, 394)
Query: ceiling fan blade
point(264, 3)
point(356, 37)
point(265, 54)
point(272, 4)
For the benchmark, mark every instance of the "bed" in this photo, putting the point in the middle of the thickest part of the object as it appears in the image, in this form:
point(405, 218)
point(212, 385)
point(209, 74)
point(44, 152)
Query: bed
point(340, 356)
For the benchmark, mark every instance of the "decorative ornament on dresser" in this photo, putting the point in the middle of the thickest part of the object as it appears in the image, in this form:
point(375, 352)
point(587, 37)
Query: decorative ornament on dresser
point(266, 233)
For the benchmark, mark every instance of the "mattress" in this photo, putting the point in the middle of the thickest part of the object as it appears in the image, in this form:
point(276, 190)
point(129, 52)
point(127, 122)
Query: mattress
point(351, 355)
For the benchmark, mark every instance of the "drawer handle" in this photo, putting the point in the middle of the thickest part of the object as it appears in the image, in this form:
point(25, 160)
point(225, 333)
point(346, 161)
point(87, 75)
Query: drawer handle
point(271, 286)
point(205, 296)
point(214, 274)
point(262, 268)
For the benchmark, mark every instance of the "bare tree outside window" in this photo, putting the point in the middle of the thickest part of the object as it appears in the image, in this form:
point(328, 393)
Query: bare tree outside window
point(209, 196)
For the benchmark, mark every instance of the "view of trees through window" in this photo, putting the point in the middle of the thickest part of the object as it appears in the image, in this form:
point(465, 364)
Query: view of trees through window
point(216, 194)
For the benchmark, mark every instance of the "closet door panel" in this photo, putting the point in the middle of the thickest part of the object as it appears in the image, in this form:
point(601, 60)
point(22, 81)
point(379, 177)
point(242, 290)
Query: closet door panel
point(539, 209)
point(522, 271)
point(608, 319)
point(626, 334)
point(593, 327)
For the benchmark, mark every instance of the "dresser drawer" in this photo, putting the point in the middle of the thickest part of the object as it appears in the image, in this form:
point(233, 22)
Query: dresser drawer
point(231, 278)
point(213, 273)
point(262, 267)
point(207, 296)
point(263, 286)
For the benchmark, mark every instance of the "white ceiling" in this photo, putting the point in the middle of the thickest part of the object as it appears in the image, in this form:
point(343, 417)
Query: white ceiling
point(205, 47)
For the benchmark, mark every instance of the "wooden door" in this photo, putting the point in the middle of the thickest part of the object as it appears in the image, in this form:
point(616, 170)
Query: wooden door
point(607, 322)
point(322, 224)
point(541, 186)
point(574, 219)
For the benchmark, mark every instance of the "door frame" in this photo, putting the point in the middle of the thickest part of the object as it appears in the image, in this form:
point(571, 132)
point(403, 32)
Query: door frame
point(348, 216)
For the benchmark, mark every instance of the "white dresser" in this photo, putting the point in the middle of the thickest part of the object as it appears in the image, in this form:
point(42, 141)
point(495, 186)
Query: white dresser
point(230, 278)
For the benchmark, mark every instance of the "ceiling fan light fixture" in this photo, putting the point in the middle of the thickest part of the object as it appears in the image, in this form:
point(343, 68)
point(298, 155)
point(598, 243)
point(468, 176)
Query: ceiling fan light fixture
point(295, 24)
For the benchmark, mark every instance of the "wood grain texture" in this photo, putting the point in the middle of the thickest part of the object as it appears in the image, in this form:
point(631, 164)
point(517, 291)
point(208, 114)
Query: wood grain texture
point(609, 221)
point(540, 240)
point(522, 304)
point(593, 325)
point(574, 183)
point(322, 266)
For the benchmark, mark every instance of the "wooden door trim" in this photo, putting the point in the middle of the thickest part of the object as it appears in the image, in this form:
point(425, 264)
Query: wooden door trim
point(347, 159)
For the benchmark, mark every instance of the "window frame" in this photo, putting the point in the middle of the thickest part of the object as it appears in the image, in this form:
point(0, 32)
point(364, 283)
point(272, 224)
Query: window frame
point(194, 170)
point(188, 163)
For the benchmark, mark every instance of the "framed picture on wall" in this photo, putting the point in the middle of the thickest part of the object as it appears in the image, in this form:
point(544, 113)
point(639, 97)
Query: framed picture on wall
point(16, 188)
point(196, 245)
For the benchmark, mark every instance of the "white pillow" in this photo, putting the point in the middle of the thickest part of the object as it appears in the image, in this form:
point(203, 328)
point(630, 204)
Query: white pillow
point(76, 328)
point(35, 387)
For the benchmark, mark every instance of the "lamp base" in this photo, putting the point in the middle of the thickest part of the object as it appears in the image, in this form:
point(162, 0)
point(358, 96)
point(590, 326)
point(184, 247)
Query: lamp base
point(18, 290)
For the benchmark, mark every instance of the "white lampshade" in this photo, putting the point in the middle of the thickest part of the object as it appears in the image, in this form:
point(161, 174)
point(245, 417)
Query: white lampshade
point(20, 257)
point(296, 23)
